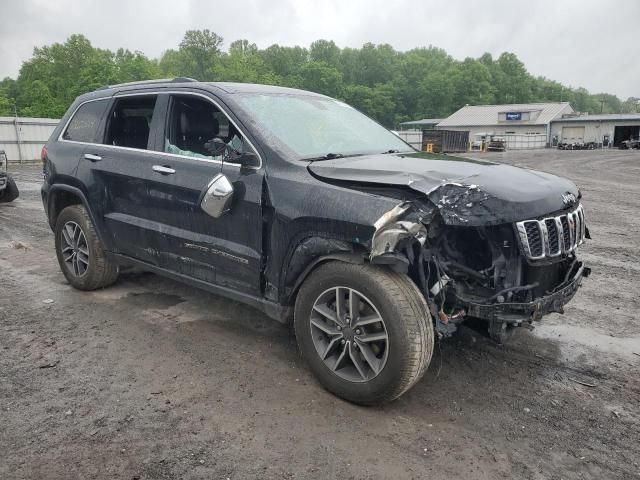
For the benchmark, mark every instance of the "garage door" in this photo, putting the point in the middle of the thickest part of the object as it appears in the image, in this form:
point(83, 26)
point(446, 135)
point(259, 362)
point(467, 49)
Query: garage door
point(573, 134)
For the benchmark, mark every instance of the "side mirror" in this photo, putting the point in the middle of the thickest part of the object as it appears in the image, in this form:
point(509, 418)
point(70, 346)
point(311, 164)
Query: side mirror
point(216, 146)
point(217, 198)
point(246, 159)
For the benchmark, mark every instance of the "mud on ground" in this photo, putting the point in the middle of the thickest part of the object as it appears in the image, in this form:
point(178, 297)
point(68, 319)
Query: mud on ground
point(151, 379)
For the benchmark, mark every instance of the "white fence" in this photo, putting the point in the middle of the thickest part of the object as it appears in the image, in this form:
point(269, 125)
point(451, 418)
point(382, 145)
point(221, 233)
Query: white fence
point(412, 137)
point(524, 142)
point(512, 141)
point(23, 138)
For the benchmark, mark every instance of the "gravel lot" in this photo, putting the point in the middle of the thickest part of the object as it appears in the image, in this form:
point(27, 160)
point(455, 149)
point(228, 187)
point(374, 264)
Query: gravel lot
point(151, 379)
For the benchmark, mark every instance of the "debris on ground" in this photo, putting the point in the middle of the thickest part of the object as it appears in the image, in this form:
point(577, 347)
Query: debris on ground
point(586, 384)
point(17, 245)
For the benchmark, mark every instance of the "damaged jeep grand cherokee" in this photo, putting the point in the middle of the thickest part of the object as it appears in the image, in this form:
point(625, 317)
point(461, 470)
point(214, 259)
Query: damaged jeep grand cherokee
point(299, 205)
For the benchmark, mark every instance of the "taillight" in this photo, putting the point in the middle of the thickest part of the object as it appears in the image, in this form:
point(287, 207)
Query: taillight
point(43, 154)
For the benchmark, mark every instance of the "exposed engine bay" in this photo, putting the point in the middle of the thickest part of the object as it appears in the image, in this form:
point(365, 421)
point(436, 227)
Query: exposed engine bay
point(509, 275)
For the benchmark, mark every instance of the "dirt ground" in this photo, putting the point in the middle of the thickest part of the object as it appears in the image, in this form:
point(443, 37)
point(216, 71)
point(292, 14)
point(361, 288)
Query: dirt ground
point(151, 379)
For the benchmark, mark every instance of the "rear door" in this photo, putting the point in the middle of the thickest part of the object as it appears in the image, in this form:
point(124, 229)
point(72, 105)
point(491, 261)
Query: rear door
point(83, 127)
point(150, 175)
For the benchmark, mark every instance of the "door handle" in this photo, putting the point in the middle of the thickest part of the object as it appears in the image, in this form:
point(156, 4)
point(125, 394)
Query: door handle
point(91, 157)
point(163, 170)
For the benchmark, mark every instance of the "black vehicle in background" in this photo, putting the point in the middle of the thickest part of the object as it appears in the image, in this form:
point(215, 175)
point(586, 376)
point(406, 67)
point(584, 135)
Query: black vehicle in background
point(8, 188)
point(299, 205)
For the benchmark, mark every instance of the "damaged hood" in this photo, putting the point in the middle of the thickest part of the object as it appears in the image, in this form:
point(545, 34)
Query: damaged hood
point(467, 192)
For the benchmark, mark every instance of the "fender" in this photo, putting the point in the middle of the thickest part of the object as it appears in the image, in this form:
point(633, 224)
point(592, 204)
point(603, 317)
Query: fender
point(51, 195)
point(302, 255)
point(341, 257)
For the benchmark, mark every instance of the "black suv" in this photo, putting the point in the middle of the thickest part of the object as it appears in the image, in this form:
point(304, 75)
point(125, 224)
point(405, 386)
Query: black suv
point(299, 205)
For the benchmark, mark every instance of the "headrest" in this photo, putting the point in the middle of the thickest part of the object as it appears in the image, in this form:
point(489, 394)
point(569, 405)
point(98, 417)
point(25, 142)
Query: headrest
point(135, 126)
point(199, 123)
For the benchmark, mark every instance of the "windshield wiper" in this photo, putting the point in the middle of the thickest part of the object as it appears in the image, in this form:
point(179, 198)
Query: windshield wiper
point(329, 156)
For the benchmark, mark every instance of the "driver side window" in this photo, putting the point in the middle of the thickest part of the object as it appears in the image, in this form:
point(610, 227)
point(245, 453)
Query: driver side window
point(197, 128)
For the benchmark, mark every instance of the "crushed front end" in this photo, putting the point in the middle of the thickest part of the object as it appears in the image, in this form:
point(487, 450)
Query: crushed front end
point(508, 274)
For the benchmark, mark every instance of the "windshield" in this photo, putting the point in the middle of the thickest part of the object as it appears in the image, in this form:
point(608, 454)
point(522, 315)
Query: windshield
point(315, 127)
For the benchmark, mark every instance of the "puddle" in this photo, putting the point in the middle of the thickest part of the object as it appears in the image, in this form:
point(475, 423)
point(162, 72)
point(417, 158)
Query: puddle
point(571, 336)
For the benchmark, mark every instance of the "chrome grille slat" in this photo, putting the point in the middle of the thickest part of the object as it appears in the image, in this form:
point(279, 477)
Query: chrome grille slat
point(552, 236)
point(566, 233)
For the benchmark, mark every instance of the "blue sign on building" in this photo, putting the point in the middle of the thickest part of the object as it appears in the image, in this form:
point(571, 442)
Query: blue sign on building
point(514, 116)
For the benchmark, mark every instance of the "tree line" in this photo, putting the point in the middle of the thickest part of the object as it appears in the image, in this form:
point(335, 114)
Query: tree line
point(388, 85)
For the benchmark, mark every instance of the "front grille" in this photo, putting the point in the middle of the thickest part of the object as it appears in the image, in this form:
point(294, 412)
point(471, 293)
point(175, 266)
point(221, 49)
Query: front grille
point(552, 236)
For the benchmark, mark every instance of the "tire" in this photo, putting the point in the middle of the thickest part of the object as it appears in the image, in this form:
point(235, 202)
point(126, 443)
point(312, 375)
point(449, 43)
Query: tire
point(401, 359)
point(10, 193)
point(92, 269)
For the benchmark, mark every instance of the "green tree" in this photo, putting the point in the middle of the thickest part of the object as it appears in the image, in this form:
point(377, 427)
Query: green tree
point(200, 52)
point(241, 64)
point(388, 85)
point(6, 106)
point(39, 100)
point(321, 78)
point(324, 51)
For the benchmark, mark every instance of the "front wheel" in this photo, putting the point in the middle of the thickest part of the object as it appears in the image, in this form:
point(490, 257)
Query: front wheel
point(365, 332)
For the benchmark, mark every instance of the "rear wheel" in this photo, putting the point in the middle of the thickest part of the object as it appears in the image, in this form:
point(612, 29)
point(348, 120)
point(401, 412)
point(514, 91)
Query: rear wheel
point(80, 252)
point(365, 332)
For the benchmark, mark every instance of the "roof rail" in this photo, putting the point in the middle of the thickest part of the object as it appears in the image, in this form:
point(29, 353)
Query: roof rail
point(151, 82)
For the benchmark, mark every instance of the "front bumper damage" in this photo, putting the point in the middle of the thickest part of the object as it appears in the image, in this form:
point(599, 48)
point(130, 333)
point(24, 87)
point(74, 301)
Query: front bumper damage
point(416, 238)
point(517, 313)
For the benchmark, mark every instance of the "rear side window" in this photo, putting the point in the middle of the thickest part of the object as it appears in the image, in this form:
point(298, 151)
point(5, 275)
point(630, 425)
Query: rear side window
point(129, 122)
point(83, 126)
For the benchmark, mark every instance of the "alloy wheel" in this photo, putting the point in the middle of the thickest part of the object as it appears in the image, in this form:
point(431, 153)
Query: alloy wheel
point(349, 334)
point(75, 251)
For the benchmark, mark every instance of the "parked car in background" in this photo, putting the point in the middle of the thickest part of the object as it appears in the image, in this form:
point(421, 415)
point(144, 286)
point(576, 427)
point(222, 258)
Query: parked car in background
point(301, 206)
point(8, 188)
point(629, 144)
point(496, 144)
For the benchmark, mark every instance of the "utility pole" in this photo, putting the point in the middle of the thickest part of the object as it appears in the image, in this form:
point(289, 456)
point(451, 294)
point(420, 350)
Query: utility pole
point(15, 125)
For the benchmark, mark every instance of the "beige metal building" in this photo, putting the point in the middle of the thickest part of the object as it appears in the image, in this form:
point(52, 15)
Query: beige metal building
point(522, 125)
point(22, 138)
point(606, 130)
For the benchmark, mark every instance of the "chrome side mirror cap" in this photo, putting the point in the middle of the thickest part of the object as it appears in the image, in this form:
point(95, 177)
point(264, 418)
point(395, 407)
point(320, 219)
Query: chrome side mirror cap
point(217, 198)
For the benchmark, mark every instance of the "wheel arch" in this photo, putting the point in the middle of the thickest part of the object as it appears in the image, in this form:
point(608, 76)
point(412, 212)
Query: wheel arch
point(62, 196)
point(306, 254)
point(314, 250)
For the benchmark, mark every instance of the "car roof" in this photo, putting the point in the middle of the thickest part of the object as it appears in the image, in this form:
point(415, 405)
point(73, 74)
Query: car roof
point(228, 88)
